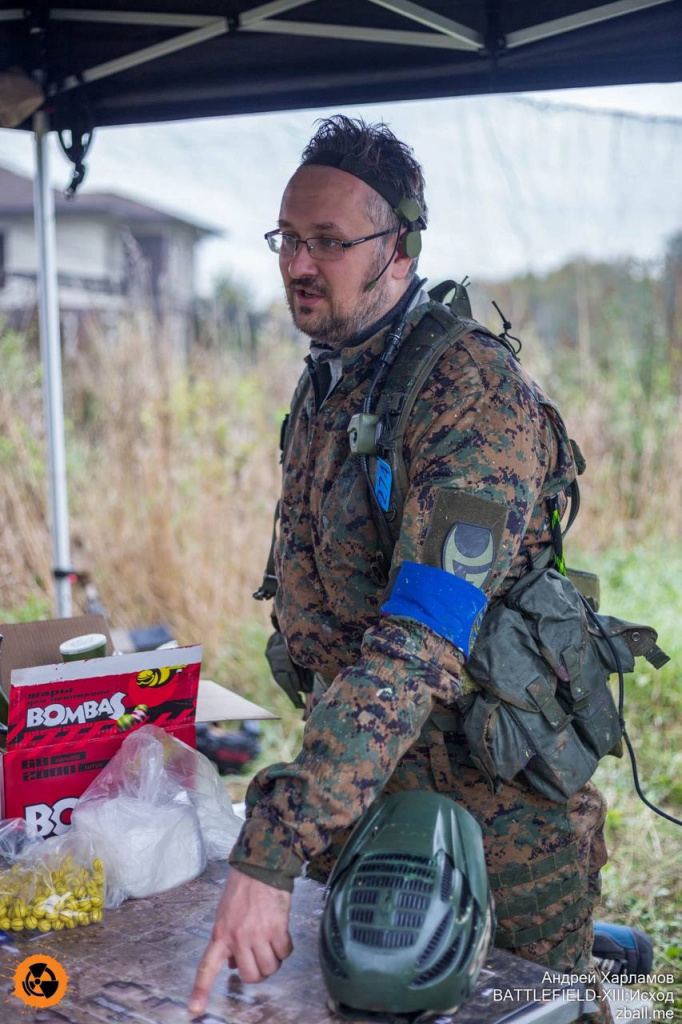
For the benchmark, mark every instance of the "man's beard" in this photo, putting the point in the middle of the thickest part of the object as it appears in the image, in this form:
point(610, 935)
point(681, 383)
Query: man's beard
point(335, 328)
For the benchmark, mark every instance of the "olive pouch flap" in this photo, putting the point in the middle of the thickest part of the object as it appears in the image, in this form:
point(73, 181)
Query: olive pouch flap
point(543, 664)
point(290, 677)
point(580, 660)
point(517, 723)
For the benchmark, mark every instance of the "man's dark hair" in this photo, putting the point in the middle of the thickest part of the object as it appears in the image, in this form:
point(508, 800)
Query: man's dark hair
point(376, 151)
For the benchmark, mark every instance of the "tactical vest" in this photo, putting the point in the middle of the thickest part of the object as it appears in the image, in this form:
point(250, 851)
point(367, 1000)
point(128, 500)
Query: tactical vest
point(542, 708)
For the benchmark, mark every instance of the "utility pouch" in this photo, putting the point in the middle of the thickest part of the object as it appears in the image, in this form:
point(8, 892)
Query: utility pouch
point(290, 677)
point(545, 709)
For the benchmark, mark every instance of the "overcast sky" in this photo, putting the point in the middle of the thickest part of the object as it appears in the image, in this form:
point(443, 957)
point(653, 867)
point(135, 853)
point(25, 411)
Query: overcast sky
point(513, 183)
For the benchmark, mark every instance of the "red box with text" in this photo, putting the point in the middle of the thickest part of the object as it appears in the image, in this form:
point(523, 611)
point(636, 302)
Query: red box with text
point(66, 721)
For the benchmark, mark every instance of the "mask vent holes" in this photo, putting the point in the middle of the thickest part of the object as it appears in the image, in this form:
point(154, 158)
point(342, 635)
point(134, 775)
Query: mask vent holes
point(446, 882)
point(438, 969)
point(383, 939)
point(436, 939)
point(403, 919)
point(412, 901)
point(364, 896)
point(362, 915)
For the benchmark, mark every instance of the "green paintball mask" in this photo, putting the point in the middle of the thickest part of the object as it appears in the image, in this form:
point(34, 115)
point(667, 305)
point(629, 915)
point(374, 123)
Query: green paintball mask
point(408, 922)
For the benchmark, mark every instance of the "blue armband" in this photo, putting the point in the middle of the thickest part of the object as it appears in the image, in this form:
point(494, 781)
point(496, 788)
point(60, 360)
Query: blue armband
point(447, 604)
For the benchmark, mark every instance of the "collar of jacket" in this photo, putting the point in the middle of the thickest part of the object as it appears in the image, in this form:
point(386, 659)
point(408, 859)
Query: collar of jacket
point(358, 359)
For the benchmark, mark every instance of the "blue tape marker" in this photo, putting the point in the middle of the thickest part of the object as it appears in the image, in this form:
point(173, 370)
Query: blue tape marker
point(382, 484)
point(447, 604)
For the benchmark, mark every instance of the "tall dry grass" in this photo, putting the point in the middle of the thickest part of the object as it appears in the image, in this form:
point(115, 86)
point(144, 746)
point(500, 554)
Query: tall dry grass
point(173, 476)
point(628, 424)
point(24, 548)
point(172, 492)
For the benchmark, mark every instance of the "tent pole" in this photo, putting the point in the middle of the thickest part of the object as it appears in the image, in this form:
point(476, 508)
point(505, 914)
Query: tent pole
point(51, 357)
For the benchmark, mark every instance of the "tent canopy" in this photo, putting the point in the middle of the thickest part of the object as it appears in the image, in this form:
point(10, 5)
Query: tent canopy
point(133, 61)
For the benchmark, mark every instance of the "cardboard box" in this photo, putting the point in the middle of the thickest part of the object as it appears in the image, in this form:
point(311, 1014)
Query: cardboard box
point(26, 644)
point(67, 720)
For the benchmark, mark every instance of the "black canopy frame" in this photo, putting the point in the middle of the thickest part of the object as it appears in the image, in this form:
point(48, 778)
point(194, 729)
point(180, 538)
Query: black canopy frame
point(154, 60)
point(104, 63)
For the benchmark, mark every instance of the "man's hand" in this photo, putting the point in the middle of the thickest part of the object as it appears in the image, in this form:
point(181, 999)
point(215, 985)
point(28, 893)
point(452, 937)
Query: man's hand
point(251, 932)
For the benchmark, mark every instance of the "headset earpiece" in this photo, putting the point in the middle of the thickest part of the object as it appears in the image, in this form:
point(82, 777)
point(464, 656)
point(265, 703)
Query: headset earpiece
point(409, 211)
point(411, 243)
point(408, 244)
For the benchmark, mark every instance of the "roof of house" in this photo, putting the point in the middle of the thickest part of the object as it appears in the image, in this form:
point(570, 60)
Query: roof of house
point(16, 198)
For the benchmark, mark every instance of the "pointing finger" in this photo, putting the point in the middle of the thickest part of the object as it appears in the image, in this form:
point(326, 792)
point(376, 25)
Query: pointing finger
point(207, 972)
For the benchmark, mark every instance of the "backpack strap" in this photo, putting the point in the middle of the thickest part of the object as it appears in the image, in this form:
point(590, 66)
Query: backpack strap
point(439, 329)
point(420, 351)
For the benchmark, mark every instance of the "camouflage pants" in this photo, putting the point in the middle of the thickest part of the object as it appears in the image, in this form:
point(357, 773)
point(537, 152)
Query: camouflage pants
point(543, 858)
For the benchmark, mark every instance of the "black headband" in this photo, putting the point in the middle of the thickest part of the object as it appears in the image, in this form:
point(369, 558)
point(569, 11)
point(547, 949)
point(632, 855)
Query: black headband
point(332, 158)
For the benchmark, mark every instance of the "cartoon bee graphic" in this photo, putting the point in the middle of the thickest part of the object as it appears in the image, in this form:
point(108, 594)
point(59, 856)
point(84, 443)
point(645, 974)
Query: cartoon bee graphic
point(158, 676)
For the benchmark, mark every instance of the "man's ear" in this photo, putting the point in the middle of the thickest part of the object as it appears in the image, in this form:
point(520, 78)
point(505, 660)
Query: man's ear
point(402, 263)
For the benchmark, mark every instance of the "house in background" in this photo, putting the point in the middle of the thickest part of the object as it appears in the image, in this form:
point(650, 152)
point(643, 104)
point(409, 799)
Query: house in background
point(114, 255)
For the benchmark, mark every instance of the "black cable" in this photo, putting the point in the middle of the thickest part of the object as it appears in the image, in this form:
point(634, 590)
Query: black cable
point(506, 338)
point(621, 707)
point(392, 343)
point(74, 116)
point(385, 360)
point(372, 284)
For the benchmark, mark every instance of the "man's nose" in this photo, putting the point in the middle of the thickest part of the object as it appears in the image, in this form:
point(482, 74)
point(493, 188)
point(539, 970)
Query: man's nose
point(301, 264)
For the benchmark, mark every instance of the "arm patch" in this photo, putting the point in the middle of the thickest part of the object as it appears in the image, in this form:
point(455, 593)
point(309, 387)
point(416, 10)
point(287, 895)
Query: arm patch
point(464, 535)
point(445, 603)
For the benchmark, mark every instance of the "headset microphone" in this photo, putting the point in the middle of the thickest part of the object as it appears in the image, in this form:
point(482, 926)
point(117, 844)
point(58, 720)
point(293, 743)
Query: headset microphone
point(372, 284)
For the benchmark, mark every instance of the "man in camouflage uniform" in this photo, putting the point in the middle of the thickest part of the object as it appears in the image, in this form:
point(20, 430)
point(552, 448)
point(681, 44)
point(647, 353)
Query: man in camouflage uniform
point(485, 453)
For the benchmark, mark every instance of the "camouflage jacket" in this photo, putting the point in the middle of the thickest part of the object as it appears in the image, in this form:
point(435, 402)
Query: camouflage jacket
point(485, 451)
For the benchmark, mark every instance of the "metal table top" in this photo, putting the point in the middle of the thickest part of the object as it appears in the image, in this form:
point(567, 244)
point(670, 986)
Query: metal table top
point(137, 967)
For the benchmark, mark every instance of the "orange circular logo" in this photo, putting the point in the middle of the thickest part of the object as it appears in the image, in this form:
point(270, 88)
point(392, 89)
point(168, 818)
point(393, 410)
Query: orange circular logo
point(40, 981)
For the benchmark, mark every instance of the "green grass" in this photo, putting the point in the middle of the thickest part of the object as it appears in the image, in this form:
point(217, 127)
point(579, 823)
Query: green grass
point(642, 883)
point(36, 606)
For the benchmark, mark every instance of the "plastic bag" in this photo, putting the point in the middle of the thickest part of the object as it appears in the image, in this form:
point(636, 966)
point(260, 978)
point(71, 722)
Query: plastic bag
point(47, 884)
point(156, 813)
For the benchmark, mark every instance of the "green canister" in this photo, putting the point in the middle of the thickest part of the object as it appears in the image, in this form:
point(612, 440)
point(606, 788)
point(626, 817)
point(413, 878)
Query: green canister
point(80, 648)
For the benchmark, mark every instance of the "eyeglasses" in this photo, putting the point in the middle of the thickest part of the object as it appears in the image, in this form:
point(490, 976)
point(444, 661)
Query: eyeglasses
point(322, 248)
